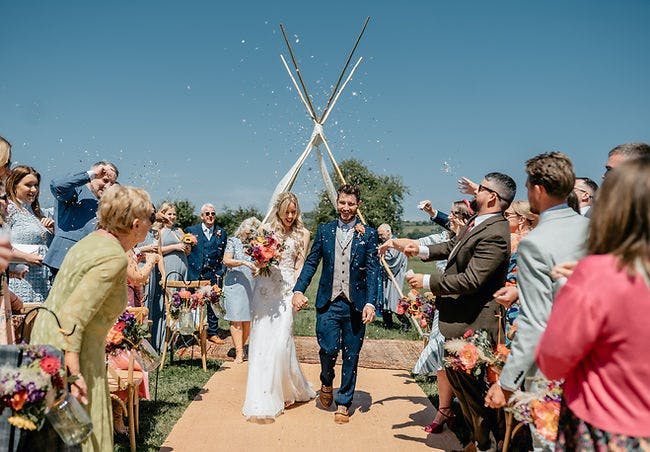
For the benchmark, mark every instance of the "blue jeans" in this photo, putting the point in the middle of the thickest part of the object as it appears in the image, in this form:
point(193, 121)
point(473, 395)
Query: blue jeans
point(339, 327)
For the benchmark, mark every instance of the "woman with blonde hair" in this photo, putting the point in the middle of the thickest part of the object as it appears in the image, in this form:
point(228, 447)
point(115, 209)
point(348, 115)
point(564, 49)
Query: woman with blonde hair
point(88, 295)
point(275, 379)
point(238, 284)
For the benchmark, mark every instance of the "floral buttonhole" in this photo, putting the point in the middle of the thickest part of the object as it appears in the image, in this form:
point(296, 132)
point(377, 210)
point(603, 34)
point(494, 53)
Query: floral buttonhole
point(360, 228)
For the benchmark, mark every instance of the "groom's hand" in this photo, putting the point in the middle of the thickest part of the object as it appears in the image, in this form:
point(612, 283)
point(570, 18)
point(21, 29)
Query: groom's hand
point(368, 314)
point(298, 301)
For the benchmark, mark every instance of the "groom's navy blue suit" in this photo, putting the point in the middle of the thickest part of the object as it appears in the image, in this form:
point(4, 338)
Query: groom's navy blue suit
point(338, 320)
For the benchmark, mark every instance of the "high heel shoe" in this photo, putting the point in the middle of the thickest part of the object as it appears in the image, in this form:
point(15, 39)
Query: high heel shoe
point(448, 417)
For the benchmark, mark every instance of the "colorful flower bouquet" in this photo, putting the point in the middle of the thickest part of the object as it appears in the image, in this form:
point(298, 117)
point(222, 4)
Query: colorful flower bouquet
point(265, 250)
point(129, 334)
point(539, 407)
point(471, 354)
point(419, 306)
point(189, 239)
point(31, 389)
point(185, 305)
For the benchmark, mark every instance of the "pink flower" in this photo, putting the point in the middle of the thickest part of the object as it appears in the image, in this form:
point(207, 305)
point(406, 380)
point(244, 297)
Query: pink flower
point(468, 333)
point(50, 365)
point(468, 357)
point(119, 326)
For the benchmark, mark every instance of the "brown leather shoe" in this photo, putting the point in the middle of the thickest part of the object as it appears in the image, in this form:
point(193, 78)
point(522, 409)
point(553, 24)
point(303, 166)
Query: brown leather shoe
point(325, 396)
point(216, 340)
point(342, 415)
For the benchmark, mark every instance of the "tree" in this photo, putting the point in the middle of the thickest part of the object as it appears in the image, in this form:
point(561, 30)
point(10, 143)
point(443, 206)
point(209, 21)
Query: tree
point(230, 219)
point(185, 213)
point(381, 196)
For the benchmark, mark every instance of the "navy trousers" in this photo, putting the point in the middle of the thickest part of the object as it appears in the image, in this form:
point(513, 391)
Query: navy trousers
point(339, 327)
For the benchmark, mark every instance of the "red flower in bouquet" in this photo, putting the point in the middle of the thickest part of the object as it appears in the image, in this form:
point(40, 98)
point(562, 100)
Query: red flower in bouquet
point(471, 353)
point(18, 400)
point(420, 307)
point(265, 250)
point(119, 326)
point(50, 365)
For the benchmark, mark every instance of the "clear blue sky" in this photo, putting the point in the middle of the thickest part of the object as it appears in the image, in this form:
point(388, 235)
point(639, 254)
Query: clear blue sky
point(191, 100)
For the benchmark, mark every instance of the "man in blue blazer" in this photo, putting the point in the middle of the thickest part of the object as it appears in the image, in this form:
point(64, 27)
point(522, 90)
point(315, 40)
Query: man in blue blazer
point(347, 291)
point(77, 197)
point(205, 259)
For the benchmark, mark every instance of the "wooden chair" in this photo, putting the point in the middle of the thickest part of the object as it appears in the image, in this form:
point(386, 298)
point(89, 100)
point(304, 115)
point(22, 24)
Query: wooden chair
point(171, 328)
point(127, 380)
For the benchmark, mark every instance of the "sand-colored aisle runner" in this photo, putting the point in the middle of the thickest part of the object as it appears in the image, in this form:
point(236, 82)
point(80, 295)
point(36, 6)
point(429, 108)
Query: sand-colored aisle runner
point(389, 412)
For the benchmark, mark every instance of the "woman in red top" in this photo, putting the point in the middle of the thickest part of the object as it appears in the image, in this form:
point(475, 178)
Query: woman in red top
point(597, 337)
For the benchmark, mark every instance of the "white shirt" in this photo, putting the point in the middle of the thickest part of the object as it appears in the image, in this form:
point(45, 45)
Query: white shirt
point(207, 231)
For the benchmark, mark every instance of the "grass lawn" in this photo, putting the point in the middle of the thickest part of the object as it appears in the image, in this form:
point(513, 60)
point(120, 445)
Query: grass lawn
point(179, 383)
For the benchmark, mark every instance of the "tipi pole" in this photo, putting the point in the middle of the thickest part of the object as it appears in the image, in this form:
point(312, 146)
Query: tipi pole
point(324, 118)
point(347, 62)
point(302, 98)
point(302, 82)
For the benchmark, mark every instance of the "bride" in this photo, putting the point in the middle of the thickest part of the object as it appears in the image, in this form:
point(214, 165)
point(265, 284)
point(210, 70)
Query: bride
point(275, 379)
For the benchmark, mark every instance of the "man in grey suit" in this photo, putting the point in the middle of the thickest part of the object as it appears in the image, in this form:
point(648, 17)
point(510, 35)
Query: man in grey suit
point(559, 236)
point(77, 197)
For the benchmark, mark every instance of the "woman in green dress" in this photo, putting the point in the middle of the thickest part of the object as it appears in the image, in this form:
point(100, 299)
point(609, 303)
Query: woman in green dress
point(89, 293)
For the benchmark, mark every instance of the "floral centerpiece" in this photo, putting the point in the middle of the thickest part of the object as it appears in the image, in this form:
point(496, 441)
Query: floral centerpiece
point(31, 389)
point(265, 250)
point(539, 406)
point(422, 307)
point(189, 239)
point(186, 300)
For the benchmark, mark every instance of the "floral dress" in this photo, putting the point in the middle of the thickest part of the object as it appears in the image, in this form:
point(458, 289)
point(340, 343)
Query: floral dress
point(27, 229)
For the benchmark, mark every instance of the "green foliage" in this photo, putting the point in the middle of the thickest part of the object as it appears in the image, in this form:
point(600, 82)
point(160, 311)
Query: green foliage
point(230, 219)
point(381, 196)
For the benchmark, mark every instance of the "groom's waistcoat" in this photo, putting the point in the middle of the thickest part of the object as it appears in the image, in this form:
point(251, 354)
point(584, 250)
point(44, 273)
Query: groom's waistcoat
point(341, 279)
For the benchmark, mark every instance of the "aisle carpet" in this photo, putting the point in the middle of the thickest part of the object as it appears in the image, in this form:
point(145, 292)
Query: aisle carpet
point(375, 354)
point(389, 410)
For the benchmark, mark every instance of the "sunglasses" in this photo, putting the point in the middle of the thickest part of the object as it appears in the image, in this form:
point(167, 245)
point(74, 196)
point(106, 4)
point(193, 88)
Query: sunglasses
point(489, 190)
point(209, 214)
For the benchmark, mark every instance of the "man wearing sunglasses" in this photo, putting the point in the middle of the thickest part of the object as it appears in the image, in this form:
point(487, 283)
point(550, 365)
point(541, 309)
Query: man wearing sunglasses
point(205, 259)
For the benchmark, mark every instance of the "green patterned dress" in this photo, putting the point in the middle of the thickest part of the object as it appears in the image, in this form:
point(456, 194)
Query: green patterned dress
point(90, 292)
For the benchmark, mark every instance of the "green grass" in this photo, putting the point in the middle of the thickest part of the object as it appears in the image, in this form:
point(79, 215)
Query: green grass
point(178, 385)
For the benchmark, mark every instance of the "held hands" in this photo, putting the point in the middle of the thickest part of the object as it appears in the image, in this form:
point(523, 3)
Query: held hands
point(496, 396)
point(299, 301)
point(368, 314)
point(506, 296)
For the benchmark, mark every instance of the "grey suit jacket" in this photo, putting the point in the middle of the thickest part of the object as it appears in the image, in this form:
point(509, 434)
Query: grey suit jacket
point(477, 264)
point(559, 237)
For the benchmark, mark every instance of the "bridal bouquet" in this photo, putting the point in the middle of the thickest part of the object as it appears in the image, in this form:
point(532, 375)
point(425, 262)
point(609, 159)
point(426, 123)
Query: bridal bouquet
point(125, 334)
point(265, 250)
point(420, 306)
point(539, 407)
point(30, 389)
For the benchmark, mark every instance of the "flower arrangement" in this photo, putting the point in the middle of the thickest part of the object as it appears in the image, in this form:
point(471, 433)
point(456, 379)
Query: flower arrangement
point(539, 407)
point(471, 354)
point(30, 389)
point(184, 299)
point(420, 306)
point(265, 250)
point(125, 334)
point(189, 239)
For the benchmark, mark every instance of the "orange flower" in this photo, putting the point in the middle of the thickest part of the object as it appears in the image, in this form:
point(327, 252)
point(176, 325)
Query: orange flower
point(468, 356)
point(502, 351)
point(547, 417)
point(50, 365)
point(114, 337)
point(267, 253)
point(18, 400)
point(360, 228)
point(184, 294)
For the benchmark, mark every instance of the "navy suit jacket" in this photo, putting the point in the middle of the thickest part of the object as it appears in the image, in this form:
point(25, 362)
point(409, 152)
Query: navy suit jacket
point(75, 215)
point(206, 257)
point(364, 266)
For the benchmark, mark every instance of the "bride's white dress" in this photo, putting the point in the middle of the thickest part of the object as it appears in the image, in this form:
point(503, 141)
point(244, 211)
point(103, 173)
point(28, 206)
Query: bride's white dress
point(274, 374)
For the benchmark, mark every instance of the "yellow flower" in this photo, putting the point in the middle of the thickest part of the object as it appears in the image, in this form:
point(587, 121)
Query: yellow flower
point(21, 422)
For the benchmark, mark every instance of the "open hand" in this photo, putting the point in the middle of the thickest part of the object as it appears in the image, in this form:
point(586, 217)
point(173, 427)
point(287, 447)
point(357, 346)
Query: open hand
point(467, 187)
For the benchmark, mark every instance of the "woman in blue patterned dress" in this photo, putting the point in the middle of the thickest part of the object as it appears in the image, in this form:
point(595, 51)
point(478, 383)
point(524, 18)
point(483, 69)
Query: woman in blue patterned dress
point(30, 229)
point(238, 285)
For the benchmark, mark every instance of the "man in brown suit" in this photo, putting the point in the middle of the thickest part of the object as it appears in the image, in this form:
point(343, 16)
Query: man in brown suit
point(477, 264)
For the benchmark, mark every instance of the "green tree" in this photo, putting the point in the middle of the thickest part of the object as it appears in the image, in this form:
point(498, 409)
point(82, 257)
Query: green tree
point(230, 219)
point(185, 215)
point(381, 196)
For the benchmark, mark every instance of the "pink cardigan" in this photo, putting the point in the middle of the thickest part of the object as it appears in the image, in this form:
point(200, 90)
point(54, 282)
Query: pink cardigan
point(598, 340)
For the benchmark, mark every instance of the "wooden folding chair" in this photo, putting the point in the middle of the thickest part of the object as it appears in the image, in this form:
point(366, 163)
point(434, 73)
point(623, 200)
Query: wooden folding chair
point(171, 329)
point(127, 380)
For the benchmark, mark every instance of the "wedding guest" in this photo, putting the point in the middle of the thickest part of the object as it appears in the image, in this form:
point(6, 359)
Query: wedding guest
point(396, 262)
point(29, 227)
point(206, 259)
point(606, 361)
point(88, 295)
point(137, 276)
point(238, 284)
point(435, 216)
point(6, 327)
point(585, 189)
point(559, 236)
point(20, 286)
point(77, 197)
point(624, 153)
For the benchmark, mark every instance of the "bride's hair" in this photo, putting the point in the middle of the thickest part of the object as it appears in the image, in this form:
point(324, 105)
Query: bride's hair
point(297, 229)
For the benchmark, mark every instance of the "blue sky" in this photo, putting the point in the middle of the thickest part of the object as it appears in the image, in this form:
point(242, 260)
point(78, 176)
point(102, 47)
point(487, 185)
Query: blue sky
point(191, 100)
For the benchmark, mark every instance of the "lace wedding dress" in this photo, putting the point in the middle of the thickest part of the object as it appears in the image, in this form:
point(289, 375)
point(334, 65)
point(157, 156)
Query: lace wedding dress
point(274, 375)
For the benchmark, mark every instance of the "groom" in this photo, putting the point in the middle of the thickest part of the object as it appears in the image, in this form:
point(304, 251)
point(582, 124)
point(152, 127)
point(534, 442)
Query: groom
point(345, 302)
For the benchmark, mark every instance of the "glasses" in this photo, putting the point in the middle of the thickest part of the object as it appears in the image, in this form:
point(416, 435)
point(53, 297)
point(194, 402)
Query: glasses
point(583, 191)
point(484, 188)
point(209, 214)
